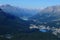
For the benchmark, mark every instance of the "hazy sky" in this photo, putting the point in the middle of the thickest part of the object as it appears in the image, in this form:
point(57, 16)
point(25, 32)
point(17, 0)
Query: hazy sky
point(31, 3)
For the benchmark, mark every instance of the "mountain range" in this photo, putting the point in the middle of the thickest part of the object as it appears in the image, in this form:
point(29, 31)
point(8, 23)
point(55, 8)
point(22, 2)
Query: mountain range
point(23, 13)
point(13, 21)
point(47, 14)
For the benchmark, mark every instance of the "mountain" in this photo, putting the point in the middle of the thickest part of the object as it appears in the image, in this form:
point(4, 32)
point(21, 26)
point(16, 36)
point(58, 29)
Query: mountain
point(47, 14)
point(18, 29)
point(23, 13)
point(11, 24)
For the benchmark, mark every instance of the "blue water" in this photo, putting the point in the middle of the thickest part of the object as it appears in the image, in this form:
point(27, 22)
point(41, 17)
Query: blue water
point(43, 30)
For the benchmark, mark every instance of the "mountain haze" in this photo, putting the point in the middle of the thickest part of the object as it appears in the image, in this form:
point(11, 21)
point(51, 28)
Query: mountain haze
point(48, 14)
point(20, 12)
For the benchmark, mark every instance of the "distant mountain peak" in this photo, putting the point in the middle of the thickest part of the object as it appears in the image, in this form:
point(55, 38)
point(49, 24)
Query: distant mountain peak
point(54, 9)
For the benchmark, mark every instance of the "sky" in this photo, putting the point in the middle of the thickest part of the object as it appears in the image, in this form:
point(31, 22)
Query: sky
point(31, 3)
